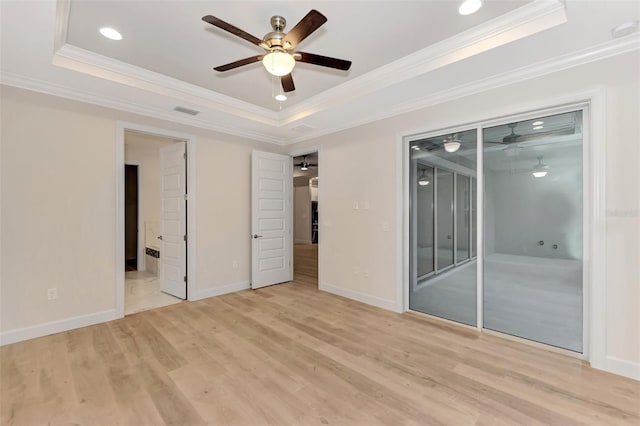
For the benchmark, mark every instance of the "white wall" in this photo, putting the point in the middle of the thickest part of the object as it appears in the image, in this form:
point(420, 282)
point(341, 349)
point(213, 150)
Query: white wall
point(58, 174)
point(302, 214)
point(355, 240)
point(58, 211)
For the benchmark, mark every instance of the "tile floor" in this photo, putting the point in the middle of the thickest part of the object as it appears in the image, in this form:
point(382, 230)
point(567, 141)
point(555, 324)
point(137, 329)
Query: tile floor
point(142, 292)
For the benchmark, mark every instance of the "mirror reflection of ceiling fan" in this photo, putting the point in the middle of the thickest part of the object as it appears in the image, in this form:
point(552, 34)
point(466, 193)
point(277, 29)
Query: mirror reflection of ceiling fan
point(279, 57)
point(304, 164)
point(513, 137)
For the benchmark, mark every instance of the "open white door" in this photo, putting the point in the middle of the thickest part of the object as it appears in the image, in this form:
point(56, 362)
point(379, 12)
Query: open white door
point(173, 222)
point(271, 219)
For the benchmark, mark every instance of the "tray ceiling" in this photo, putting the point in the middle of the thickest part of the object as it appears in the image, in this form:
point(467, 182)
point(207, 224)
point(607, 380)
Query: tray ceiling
point(406, 55)
point(169, 37)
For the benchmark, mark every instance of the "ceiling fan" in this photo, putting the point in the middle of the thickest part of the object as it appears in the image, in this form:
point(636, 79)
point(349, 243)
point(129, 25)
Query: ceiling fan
point(279, 57)
point(513, 137)
point(304, 165)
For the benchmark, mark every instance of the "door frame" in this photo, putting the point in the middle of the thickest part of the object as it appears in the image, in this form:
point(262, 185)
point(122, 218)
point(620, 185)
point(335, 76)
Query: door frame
point(121, 128)
point(297, 153)
point(142, 266)
point(593, 103)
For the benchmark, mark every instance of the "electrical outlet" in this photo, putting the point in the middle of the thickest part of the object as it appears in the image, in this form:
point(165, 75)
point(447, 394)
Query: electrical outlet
point(355, 205)
point(52, 293)
point(235, 264)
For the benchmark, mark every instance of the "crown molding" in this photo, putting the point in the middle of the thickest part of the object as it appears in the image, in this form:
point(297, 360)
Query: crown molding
point(87, 62)
point(66, 92)
point(596, 53)
point(516, 24)
point(63, 7)
point(599, 52)
point(521, 22)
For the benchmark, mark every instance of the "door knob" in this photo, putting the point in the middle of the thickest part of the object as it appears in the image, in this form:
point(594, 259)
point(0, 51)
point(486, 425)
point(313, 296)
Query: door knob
point(254, 236)
point(160, 237)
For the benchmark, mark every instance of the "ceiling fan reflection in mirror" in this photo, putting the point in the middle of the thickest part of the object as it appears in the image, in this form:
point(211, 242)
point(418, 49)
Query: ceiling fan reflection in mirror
point(280, 58)
point(304, 164)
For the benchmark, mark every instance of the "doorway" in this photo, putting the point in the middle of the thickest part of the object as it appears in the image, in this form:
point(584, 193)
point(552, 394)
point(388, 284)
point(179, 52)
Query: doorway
point(131, 201)
point(306, 218)
point(514, 264)
point(155, 208)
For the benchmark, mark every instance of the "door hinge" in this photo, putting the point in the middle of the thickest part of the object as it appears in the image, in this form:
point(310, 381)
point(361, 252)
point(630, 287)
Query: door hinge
point(184, 155)
point(185, 278)
point(186, 197)
point(185, 237)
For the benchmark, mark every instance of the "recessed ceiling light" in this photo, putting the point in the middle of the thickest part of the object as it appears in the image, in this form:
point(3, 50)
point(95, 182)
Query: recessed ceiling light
point(537, 123)
point(469, 6)
point(110, 33)
point(538, 127)
point(280, 97)
point(624, 29)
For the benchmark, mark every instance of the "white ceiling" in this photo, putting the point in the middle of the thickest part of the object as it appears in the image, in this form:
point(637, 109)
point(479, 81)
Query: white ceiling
point(406, 55)
point(170, 38)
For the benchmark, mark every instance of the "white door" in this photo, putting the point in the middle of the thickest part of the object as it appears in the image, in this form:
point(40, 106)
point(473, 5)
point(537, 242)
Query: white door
point(271, 219)
point(173, 245)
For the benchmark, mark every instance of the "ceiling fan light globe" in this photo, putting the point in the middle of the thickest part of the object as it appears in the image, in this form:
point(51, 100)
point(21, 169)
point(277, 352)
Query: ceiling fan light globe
point(281, 97)
point(539, 174)
point(451, 146)
point(304, 168)
point(278, 63)
point(423, 181)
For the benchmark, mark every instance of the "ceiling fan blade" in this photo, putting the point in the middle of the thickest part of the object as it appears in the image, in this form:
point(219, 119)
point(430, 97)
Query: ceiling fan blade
point(217, 22)
point(324, 61)
point(287, 83)
point(236, 64)
point(311, 22)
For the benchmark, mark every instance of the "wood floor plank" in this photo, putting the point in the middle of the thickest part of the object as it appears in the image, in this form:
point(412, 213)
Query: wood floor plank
point(292, 355)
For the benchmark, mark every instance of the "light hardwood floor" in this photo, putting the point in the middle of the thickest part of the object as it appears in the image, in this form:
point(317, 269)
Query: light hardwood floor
point(292, 355)
point(305, 261)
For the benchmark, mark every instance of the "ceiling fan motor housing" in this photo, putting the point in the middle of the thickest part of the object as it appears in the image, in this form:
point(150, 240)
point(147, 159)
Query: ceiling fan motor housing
point(274, 38)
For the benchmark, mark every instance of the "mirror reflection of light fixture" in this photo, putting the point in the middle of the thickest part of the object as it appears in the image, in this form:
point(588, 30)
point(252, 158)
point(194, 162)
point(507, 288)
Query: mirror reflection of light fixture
point(540, 170)
point(452, 143)
point(278, 63)
point(423, 180)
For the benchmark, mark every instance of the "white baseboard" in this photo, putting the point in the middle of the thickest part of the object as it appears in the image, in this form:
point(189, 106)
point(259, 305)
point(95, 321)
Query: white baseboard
point(622, 367)
point(26, 333)
point(389, 305)
point(218, 291)
point(302, 242)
